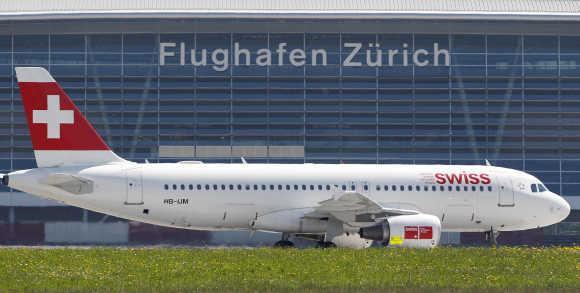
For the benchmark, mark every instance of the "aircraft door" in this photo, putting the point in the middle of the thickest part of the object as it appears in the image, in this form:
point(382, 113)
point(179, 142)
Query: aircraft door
point(505, 191)
point(134, 187)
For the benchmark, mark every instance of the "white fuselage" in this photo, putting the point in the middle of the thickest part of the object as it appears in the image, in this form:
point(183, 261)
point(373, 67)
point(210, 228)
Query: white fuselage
point(233, 196)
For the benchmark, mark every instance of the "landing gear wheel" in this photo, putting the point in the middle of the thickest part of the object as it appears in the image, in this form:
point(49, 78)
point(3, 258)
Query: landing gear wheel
point(284, 244)
point(492, 236)
point(325, 244)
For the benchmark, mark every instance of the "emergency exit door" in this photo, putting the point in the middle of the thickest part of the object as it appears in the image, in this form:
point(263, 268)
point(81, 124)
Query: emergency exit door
point(134, 187)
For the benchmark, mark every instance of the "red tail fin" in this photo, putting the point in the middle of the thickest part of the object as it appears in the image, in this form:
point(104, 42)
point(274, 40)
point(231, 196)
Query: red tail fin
point(60, 133)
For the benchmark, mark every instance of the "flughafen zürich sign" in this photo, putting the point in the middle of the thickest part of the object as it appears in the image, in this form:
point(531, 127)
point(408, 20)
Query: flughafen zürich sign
point(373, 55)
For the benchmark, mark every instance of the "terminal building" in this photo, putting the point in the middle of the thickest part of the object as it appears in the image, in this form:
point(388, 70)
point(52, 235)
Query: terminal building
point(365, 81)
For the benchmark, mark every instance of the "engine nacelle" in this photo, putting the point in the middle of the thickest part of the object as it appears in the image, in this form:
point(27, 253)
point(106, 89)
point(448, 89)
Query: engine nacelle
point(351, 240)
point(423, 231)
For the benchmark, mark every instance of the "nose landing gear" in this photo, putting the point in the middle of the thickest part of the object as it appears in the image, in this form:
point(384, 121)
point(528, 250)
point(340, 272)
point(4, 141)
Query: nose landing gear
point(491, 236)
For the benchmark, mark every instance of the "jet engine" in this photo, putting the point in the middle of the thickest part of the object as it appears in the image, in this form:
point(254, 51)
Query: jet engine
point(420, 231)
point(351, 240)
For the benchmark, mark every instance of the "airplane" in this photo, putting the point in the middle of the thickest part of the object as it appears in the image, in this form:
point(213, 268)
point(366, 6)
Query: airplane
point(344, 205)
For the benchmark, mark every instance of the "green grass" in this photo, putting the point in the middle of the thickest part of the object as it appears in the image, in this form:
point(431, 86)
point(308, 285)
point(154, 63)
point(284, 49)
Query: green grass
point(313, 270)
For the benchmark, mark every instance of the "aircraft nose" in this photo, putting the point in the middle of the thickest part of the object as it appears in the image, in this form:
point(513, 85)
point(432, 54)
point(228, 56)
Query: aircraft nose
point(559, 207)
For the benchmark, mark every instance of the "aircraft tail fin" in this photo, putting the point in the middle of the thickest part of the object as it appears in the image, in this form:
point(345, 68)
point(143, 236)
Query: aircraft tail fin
point(60, 133)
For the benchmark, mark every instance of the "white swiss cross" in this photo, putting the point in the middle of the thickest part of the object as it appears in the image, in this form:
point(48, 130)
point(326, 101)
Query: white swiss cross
point(53, 116)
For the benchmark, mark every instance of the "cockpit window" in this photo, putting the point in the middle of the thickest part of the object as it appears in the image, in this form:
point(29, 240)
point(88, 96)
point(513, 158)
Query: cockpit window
point(539, 188)
point(542, 188)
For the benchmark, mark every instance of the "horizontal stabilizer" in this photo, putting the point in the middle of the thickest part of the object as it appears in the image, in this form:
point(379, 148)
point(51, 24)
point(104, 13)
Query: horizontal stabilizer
point(69, 183)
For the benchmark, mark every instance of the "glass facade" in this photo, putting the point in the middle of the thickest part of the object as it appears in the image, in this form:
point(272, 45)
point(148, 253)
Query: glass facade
point(512, 97)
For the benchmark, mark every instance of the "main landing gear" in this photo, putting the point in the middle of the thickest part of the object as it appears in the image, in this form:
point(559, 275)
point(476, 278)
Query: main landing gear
point(284, 243)
point(325, 244)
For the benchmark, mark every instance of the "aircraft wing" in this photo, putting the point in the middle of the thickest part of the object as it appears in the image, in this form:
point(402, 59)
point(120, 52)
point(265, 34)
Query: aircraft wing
point(69, 183)
point(355, 209)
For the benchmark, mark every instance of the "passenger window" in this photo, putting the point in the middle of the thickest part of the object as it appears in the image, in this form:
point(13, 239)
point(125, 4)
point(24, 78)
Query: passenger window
point(378, 187)
point(239, 187)
point(287, 187)
point(386, 187)
point(450, 188)
point(418, 188)
point(215, 187)
point(457, 188)
point(481, 188)
point(223, 187)
point(303, 187)
point(320, 187)
point(207, 187)
point(182, 187)
point(434, 188)
point(489, 188)
point(366, 187)
point(465, 188)
point(410, 188)
point(295, 187)
point(402, 188)
point(231, 187)
point(190, 186)
point(247, 186)
point(352, 187)
point(473, 188)
point(394, 187)
point(279, 186)
point(174, 187)
point(311, 187)
point(199, 187)
point(534, 188)
point(442, 188)
point(425, 188)
point(271, 186)
point(344, 187)
point(263, 187)
point(166, 186)
point(255, 186)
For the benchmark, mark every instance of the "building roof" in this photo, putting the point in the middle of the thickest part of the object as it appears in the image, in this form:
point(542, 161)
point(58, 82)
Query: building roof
point(377, 9)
